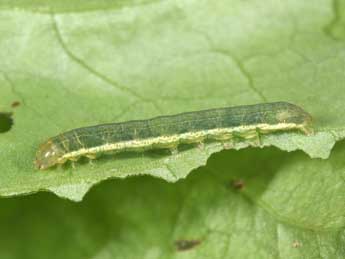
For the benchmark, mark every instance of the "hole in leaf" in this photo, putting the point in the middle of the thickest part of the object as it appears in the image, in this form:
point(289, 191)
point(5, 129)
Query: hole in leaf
point(6, 121)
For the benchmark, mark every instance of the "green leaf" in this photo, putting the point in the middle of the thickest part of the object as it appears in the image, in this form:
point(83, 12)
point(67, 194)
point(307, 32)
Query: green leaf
point(250, 203)
point(73, 64)
point(67, 64)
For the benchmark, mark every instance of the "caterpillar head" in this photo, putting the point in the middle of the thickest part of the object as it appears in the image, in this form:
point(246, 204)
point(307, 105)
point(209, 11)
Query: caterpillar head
point(48, 155)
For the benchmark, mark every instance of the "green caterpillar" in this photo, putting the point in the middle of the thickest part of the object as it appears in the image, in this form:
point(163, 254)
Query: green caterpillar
point(169, 131)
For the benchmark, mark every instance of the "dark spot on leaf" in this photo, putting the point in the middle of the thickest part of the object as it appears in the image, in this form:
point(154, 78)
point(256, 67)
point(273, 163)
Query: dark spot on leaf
point(296, 244)
point(15, 104)
point(184, 244)
point(237, 184)
point(6, 121)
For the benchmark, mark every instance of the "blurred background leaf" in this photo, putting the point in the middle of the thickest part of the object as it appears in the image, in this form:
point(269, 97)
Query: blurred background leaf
point(244, 204)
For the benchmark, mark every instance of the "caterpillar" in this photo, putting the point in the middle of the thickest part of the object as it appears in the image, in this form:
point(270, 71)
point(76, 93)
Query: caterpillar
point(220, 124)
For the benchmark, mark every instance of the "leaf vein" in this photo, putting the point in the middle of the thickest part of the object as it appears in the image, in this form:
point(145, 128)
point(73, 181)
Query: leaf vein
point(93, 71)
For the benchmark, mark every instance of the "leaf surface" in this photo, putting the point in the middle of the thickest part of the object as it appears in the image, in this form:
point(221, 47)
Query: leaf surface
point(74, 64)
